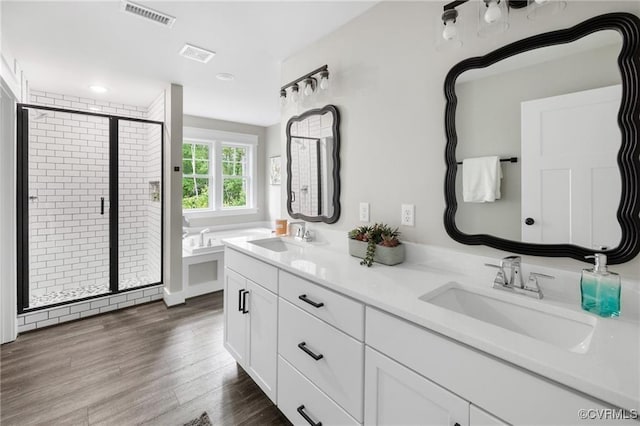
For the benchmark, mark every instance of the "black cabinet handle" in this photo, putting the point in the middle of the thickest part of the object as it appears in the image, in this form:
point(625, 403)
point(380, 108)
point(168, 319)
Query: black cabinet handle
point(529, 221)
point(303, 297)
point(240, 307)
point(244, 302)
point(307, 418)
point(308, 352)
point(101, 205)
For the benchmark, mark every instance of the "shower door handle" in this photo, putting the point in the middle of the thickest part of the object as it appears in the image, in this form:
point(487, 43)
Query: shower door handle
point(101, 205)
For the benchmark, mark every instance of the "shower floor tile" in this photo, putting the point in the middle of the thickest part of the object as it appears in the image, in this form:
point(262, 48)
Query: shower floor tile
point(82, 292)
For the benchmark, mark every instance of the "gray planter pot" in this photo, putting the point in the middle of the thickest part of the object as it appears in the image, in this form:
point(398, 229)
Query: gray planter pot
point(384, 255)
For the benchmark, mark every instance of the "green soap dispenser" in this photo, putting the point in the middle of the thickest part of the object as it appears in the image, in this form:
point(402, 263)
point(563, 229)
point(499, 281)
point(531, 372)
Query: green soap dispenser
point(600, 289)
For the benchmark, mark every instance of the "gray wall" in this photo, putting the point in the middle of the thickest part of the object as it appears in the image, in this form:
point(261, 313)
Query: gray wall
point(386, 79)
point(272, 192)
point(488, 123)
point(230, 126)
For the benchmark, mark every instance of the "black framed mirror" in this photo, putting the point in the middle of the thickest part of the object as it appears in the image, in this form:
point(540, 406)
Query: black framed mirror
point(565, 142)
point(313, 165)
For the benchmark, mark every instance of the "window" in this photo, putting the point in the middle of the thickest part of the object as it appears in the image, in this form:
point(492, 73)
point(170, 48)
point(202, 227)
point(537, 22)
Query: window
point(234, 176)
point(218, 172)
point(196, 175)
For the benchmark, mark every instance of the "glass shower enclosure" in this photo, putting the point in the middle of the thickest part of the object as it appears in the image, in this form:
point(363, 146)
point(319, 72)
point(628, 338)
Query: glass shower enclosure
point(89, 205)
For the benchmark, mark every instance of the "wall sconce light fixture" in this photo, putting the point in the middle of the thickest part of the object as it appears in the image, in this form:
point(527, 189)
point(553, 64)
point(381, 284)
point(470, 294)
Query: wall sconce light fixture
point(309, 83)
point(493, 17)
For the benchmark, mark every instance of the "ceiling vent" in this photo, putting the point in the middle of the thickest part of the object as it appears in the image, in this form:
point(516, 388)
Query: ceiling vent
point(195, 53)
point(147, 13)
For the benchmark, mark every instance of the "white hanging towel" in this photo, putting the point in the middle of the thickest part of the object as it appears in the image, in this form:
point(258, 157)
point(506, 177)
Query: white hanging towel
point(481, 178)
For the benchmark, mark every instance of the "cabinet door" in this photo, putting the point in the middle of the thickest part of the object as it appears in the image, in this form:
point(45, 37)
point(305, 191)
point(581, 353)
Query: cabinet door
point(395, 395)
point(263, 337)
point(235, 321)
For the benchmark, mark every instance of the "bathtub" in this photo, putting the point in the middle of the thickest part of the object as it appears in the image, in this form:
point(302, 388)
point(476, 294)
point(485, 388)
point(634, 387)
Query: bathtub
point(203, 267)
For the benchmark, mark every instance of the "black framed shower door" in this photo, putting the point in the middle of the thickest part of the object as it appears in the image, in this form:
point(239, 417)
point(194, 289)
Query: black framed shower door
point(90, 205)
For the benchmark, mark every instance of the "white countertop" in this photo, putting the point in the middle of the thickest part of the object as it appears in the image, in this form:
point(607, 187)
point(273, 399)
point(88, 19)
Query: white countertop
point(609, 370)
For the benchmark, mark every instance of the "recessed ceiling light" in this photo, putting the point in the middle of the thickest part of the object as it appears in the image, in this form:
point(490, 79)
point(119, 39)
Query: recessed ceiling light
point(98, 89)
point(225, 76)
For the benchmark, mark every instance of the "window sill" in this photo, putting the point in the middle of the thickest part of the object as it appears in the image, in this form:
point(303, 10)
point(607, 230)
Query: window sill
point(218, 213)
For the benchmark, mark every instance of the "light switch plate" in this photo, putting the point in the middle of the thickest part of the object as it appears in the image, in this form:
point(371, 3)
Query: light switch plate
point(408, 212)
point(364, 212)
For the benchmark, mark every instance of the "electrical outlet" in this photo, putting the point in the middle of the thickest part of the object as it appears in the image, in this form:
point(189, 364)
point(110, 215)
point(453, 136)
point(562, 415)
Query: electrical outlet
point(408, 211)
point(364, 212)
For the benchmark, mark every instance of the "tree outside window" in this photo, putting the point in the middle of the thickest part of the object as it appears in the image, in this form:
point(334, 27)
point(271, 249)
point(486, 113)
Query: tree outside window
point(196, 176)
point(234, 176)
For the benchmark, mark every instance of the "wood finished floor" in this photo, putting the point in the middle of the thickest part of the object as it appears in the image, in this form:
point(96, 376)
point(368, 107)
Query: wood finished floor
point(141, 365)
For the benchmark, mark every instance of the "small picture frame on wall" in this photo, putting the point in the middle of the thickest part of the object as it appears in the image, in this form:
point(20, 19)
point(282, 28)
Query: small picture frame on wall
point(275, 169)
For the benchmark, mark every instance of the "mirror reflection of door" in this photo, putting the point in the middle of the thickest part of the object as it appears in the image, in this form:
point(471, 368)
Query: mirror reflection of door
point(570, 179)
point(566, 182)
point(305, 176)
point(312, 146)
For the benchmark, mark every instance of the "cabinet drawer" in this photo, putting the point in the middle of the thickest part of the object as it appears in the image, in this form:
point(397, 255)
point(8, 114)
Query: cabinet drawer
point(296, 391)
point(340, 311)
point(253, 269)
point(477, 377)
point(339, 370)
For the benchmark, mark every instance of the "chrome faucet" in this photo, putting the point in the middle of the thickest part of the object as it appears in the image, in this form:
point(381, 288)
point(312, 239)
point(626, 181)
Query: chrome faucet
point(509, 277)
point(302, 228)
point(302, 234)
point(204, 231)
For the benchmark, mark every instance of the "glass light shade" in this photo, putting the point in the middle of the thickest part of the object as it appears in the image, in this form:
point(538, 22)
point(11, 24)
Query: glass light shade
point(324, 83)
point(450, 31)
point(541, 9)
point(324, 80)
point(493, 17)
point(493, 13)
point(308, 87)
point(294, 94)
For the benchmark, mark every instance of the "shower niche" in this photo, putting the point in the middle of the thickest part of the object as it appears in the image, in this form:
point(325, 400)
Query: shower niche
point(89, 207)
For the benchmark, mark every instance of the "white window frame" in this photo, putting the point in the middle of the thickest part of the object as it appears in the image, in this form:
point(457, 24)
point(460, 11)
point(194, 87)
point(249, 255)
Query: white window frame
point(211, 176)
point(216, 139)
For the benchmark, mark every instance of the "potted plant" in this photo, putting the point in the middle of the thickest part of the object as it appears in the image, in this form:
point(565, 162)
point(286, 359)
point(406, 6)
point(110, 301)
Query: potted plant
point(376, 243)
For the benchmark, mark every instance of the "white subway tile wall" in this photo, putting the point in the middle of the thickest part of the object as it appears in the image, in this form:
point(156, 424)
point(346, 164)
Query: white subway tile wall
point(53, 316)
point(68, 172)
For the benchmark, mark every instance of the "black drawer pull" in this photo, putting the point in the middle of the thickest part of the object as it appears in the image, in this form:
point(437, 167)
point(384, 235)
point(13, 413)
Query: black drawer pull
point(244, 302)
point(311, 302)
point(306, 417)
point(308, 352)
point(101, 205)
point(240, 300)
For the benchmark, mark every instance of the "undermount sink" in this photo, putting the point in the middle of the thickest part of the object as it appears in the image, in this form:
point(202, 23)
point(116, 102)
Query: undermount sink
point(568, 330)
point(277, 244)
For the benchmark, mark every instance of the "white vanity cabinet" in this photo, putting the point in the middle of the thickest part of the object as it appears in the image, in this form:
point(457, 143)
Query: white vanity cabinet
point(395, 395)
point(251, 328)
point(338, 361)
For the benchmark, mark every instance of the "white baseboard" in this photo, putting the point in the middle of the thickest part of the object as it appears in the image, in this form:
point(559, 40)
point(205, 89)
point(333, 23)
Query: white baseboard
point(173, 299)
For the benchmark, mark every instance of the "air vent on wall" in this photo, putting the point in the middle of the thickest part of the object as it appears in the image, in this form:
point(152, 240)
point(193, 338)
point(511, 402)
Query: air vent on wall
point(190, 51)
point(147, 13)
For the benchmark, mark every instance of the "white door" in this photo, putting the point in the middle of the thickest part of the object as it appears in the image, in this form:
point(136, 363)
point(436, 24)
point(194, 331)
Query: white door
point(395, 395)
point(235, 318)
point(571, 184)
point(263, 338)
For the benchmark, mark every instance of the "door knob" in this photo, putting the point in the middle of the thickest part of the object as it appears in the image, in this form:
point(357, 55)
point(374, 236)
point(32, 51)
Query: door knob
point(529, 221)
